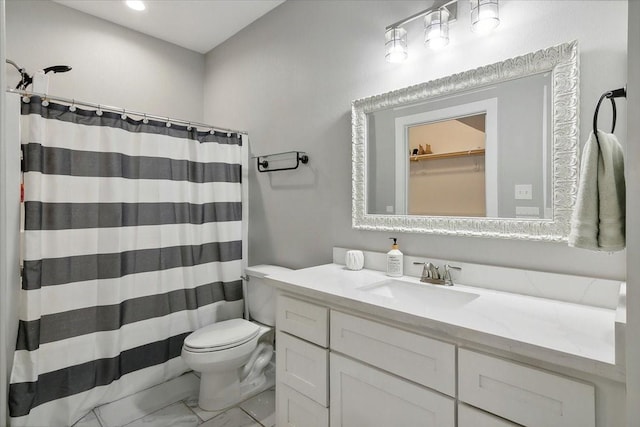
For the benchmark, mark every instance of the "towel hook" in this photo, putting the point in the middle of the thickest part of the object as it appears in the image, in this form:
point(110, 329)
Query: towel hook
point(616, 93)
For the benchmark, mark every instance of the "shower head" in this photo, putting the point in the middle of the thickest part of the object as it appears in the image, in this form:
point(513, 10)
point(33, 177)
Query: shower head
point(57, 69)
point(26, 79)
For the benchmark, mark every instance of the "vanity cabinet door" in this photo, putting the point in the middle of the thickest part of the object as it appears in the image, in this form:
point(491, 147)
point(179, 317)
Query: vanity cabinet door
point(302, 319)
point(423, 360)
point(526, 395)
point(297, 410)
point(303, 367)
point(364, 396)
point(472, 417)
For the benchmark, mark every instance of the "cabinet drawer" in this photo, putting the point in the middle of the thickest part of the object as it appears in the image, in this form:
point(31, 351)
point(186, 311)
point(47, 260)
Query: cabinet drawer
point(365, 396)
point(423, 360)
point(528, 396)
point(472, 417)
point(302, 319)
point(303, 367)
point(297, 410)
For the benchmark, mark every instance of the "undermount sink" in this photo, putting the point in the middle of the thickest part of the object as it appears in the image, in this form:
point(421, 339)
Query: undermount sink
point(419, 293)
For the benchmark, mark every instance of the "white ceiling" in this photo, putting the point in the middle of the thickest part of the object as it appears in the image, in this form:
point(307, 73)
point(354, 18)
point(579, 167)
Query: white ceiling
point(198, 25)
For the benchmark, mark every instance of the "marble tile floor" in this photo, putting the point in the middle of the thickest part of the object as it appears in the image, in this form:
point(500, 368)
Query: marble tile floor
point(175, 404)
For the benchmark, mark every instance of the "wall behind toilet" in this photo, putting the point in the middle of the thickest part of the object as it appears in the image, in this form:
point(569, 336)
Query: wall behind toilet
point(290, 77)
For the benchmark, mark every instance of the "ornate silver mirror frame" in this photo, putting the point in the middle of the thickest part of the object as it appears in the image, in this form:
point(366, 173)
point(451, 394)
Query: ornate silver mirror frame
point(562, 61)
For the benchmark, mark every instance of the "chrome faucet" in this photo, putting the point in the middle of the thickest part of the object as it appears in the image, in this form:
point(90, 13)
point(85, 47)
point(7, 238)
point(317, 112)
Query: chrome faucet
point(431, 274)
point(448, 281)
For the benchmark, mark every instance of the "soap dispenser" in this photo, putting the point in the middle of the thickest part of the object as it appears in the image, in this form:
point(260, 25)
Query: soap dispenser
point(394, 260)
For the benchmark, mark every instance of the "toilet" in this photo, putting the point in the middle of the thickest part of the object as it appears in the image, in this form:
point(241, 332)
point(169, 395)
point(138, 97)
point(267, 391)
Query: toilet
point(232, 355)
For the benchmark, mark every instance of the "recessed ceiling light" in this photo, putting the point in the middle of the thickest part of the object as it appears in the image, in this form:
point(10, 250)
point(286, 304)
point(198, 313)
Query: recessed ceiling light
point(135, 4)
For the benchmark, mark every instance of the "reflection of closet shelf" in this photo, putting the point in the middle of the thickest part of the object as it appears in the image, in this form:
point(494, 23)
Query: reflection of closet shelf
point(476, 152)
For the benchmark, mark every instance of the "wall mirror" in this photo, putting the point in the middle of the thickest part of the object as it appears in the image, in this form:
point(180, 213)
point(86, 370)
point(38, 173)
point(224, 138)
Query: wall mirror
point(490, 152)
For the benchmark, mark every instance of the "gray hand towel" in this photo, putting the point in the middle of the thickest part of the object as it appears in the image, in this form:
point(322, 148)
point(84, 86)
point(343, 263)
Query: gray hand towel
point(598, 220)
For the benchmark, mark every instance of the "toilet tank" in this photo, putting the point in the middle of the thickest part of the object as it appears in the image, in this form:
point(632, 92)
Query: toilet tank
point(260, 296)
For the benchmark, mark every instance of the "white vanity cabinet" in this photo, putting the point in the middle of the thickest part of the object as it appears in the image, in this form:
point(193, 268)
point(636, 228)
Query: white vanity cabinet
point(294, 409)
point(381, 382)
point(365, 396)
point(303, 319)
point(336, 368)
point(426, 361)
point(523, 394)
point(379, 375)
point(469, 416)
point(302, 364)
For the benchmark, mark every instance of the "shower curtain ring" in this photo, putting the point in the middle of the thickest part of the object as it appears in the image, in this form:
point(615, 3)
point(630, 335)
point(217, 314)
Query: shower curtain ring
point(72, 108)
point(45, 103)
point(99, 110)
point(145, 120)
point(124, 114)
point(189, 126)
point(212, 132)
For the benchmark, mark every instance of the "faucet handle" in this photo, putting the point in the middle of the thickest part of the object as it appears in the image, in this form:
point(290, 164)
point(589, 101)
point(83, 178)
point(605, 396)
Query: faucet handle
point(448, 281)
point(426, 270)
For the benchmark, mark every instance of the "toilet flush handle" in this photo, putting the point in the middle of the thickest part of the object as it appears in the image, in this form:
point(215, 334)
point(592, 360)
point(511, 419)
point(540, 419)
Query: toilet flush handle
point(245, 278)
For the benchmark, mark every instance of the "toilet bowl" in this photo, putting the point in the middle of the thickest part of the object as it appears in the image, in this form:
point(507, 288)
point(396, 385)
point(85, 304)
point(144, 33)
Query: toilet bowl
point(232, 355)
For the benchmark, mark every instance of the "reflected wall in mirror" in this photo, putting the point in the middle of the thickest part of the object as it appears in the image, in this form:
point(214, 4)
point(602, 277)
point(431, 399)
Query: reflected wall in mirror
point(488, 152)
point(447, 158)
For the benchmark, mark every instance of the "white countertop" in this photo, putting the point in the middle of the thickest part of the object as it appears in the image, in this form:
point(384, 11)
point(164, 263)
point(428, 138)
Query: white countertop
point(576, 336)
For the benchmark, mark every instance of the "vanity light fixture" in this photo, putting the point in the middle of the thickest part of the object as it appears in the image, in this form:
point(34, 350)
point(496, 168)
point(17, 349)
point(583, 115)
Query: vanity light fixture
point(136, 5)
point(436, 28)
point(484, 18)
point(395, 44)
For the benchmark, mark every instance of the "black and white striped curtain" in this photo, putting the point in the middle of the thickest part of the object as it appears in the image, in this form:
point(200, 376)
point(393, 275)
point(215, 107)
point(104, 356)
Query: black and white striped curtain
point(133, 239)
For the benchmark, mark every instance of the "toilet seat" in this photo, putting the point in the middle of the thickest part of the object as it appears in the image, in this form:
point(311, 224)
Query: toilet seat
point(221, 336)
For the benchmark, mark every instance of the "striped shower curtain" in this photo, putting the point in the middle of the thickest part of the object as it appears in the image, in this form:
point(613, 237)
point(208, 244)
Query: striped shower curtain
point(133, 239)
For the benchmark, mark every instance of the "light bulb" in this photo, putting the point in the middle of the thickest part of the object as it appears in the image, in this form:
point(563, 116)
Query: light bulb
point(136, 5)
point(484, 16)
point(396, 55)
point(395, 45)
point(436, 29)
point(435, 40)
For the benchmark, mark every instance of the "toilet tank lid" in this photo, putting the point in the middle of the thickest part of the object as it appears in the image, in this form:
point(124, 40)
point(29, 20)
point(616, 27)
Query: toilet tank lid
point(263, 270)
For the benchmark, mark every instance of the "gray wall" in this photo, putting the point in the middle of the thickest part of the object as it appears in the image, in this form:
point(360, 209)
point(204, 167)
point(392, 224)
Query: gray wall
point(111, 64)
point(290, 77)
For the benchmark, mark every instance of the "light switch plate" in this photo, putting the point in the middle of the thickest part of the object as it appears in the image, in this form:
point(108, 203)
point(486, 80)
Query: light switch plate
point(524, 192)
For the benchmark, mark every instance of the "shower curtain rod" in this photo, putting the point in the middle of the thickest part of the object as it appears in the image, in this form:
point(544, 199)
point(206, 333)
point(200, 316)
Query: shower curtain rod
point(124, 111)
